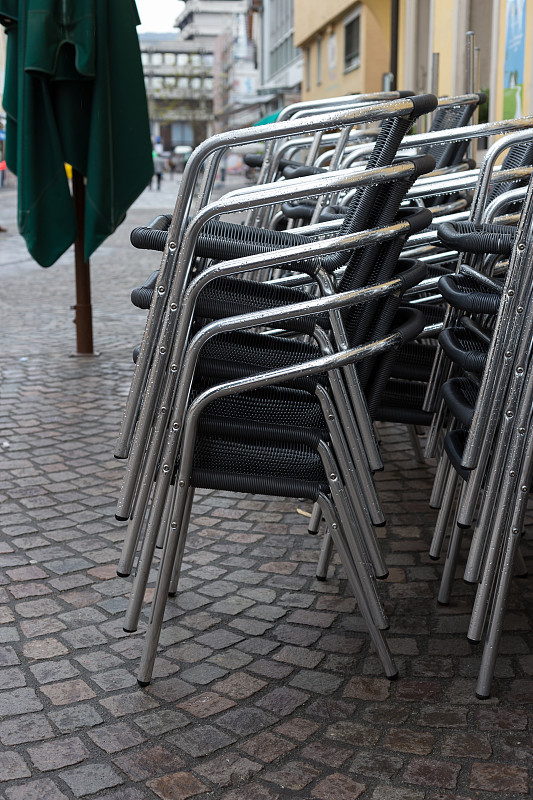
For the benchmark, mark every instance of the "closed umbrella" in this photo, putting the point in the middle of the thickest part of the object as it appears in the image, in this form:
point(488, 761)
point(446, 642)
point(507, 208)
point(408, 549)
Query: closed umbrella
point(74, 93)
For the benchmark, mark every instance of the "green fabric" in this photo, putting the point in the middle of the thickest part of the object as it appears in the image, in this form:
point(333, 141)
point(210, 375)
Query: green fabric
point(267, 120)
point(74, 92)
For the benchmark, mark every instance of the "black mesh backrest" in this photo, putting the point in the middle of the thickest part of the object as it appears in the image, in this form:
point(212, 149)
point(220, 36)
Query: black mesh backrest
point(448, 154)
point(519, 155)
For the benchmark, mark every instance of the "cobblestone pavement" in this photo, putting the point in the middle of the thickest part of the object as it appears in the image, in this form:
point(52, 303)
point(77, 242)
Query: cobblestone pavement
point(265, 683)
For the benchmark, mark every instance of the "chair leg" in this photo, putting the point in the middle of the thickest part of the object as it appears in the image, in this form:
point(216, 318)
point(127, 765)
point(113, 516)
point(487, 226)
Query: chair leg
point(165, 520)
point(450, 565)
point(315, 520)
point(376, 635)
point(348, 522)
point(144, 565)
point(443, 517)
point(439, 482)
point(351, 471)
point(415, 444)
point(494, 631)
point(325, 556)
point(166, 569)
point(173, 588)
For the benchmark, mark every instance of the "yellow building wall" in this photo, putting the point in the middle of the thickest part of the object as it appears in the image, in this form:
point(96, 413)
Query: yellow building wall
point(441, 40)
point(311, 16)
point(375, 47)
point(443, 33)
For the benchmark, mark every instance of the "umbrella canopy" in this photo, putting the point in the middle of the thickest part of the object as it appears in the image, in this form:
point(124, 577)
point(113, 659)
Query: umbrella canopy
point(74, 92)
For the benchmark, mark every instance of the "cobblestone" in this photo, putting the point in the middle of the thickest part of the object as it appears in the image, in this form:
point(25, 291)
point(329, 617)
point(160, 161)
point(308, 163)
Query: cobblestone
point(266, 686)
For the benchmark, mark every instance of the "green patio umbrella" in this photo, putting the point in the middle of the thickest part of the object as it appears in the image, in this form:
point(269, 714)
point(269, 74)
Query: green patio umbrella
point(74, 93)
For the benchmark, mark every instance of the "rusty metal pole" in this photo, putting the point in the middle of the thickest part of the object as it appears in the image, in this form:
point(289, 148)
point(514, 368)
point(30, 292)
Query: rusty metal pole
point(83, 309)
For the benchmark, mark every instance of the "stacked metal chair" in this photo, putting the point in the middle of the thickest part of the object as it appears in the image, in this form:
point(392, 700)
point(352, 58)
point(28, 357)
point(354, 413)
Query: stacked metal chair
point(373, 223)
point(487, 400)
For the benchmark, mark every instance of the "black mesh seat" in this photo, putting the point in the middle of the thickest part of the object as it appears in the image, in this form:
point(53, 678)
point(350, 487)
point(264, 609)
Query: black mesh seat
point(472, 237)
point(454, 445)
point(466, 294)
point(460, 396)
point(464, 349)
point(401, 402)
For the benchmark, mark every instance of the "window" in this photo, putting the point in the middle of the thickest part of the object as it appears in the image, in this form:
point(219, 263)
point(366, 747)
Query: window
point(319, 61)
point(352, 41)
point(307, 68)
point(170, 59)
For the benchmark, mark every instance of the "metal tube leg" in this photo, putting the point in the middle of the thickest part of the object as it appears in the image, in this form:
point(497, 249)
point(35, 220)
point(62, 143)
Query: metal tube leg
point(173, 588)
point(129, 546)
point(415, 444)
point(443, 518)
point(377, 637)
point(452, 555)
point(325, 556)
point(164, 577)
point(353, 439)
point(347, 519)
point(143, 495)
point(439, 482)
point(315, 520)
point(494, 632)
point(165, 521)
point(486, 584)
point(144, 566)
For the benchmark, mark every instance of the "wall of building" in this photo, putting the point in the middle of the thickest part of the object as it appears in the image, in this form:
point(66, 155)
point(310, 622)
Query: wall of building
point(319, 30)
point(503, 32)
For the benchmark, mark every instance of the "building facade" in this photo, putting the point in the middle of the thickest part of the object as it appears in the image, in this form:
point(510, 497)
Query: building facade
point(279, 59)
point(421, 45)
point(178, 76)
point(236, 102)
point(179, 71)
point(432, 54)
point(345, 46)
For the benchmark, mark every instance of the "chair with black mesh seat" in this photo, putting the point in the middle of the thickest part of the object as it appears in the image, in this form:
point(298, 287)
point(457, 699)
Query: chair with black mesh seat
point(208, 154)
point(373, 264)
point(240, 355)
point(495, 486)
point(221, 235)
point(253, 239)
point(223, 449)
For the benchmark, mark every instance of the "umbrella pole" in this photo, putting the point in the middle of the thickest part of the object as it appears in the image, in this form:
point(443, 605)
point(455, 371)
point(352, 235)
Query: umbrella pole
point(83, 319)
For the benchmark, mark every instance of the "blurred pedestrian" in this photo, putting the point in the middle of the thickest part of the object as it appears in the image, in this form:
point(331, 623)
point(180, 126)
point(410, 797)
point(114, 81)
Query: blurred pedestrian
point(159, 166)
